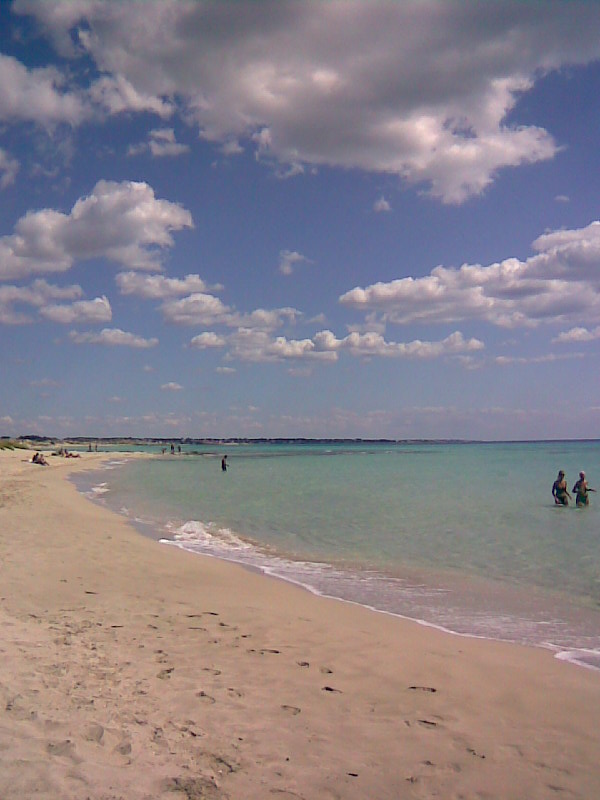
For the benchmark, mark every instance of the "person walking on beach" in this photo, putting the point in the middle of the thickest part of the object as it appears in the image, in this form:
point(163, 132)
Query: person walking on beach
point(560, 492)
point(224, 464)
point(581, 490)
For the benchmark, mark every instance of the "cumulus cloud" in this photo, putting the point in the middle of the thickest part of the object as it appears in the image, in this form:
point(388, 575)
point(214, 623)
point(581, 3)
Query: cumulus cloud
point(258, 346)
point(288, 259)
point(381, 205)
point(375, 86)
point(201, 308)
point(113, 337)
point(37, 295)
point(116, 95)
point(97, 310)
point(578, 335)
point(161, 142)
point(38, 95)
point(119, 222)
point(208, 340)
point(157, 287)
point(9, 167)
point(198, 308)
point(171, 387)
point(560, 282)
point(252, 345)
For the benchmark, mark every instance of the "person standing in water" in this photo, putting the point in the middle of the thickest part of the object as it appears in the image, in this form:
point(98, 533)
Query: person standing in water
point(560, 492)
point(224, 464)
point(581, 490)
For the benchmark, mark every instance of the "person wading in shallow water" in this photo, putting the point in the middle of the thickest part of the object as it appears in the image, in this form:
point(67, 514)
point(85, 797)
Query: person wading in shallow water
point(224, 464)
point(581, 490)
point(560, 491)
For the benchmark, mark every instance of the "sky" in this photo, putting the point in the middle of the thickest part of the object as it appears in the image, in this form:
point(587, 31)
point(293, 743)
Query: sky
point(300, 219)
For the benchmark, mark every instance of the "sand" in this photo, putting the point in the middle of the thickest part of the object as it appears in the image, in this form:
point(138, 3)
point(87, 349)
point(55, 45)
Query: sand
point(129, 669)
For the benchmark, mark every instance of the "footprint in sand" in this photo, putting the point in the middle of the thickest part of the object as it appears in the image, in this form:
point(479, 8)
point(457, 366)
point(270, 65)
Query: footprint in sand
point(303, 663)
point(205, 698)
point(423, 688)
point(326, 671)
point(234, 692)
point(331, 689)
point(165, 674)
point(293, 710)
point(94, 733)
point(65, 748)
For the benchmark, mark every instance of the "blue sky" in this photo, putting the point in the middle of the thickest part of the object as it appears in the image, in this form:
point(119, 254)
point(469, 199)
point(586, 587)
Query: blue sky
point(341, 219)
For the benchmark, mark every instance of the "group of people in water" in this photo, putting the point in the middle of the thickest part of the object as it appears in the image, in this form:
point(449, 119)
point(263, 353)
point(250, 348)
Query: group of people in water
point(561, 495)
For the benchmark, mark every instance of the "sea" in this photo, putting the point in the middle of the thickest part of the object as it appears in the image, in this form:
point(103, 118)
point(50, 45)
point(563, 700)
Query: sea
point(464, 537)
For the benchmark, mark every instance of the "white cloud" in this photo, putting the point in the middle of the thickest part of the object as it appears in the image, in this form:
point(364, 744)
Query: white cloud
point(198, 308)
point(97, 310)
point(373, 344)
point(561, 282)
point(545, 359)
point(117, 95)
point(225, 370)
point(288, 259)
point(157, 287)
point(258, 346)
point(120, 222)
point(9, 167)
point(562, 198)
point(417, 89)
point(578, 335)
point(161, 142)
point(38, 95)
point(206, 310)
point(206, 340)
point(381, 205)
point(113, 337)
point(171, 387)
point(37, 295)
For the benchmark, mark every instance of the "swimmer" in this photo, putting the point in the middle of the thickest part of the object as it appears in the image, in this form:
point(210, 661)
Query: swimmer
point(581, 490)
point(559, 490)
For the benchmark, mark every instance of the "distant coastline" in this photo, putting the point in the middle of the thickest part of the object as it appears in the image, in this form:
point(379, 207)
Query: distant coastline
point(240, 440)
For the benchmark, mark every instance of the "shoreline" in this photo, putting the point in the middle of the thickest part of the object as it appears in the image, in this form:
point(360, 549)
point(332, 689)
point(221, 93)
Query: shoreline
point(131, 670)
point(338, 582)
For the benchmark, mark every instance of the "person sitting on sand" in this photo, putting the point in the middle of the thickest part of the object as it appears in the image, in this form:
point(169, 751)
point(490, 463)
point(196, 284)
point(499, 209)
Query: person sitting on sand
point(559, 490)
point(38, 458)
point(581, 490)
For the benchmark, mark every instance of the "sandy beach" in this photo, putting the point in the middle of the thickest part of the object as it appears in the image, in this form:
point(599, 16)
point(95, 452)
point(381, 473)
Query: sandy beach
point(131, 670)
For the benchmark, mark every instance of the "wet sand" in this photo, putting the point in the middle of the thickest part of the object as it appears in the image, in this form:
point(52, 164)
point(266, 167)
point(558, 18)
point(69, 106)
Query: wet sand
point(133, 670)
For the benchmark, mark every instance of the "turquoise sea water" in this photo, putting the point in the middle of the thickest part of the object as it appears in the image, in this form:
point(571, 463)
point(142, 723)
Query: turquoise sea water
point(462, 536)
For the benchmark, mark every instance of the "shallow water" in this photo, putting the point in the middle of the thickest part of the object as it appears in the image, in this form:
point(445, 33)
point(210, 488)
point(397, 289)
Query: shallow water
point(461, 536)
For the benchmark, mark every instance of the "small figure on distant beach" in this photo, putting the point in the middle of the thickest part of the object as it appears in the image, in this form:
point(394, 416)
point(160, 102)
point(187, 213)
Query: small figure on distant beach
point(560, 492)
point(39, 458)
point(224, 464)
point(581, 490)
point(172, 449)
